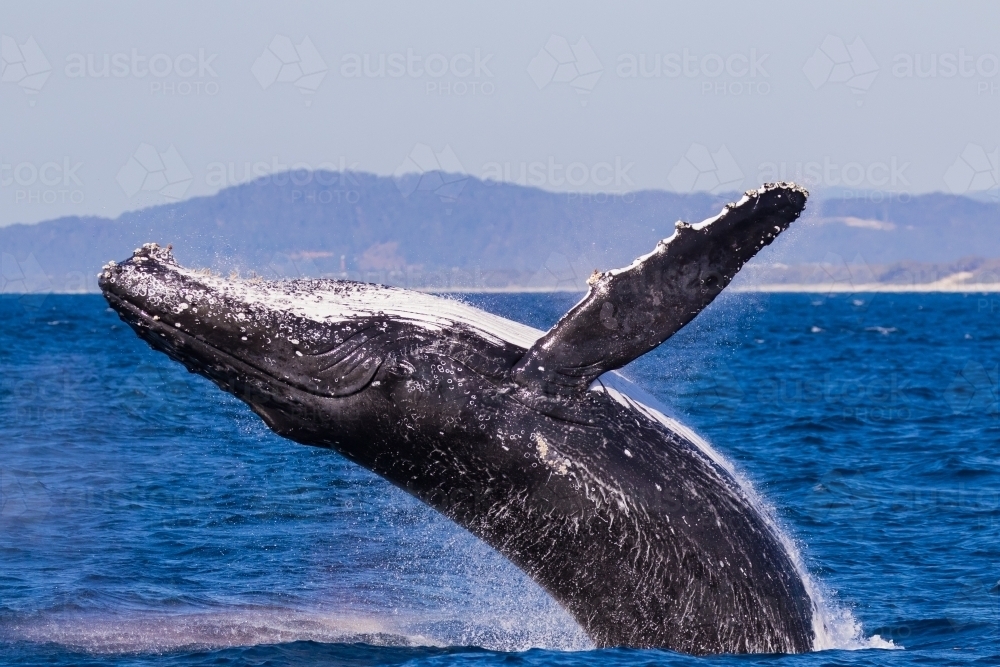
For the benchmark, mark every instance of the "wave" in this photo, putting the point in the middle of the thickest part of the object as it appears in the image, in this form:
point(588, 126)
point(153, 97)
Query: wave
point(160, 632)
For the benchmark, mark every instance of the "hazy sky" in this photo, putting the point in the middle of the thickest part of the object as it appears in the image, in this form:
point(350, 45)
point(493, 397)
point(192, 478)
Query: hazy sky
point(109, 107)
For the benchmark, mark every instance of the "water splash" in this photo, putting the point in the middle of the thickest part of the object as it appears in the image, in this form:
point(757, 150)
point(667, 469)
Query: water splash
point(834, 626)
point(153, 632)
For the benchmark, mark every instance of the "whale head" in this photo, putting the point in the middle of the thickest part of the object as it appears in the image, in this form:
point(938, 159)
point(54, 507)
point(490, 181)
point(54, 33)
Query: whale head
point(293, 346)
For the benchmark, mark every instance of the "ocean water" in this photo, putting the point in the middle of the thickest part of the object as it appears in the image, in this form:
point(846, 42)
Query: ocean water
point(146, 518)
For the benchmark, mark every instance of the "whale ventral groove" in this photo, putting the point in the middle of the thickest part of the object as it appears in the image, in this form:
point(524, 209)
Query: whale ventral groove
point(527, 439)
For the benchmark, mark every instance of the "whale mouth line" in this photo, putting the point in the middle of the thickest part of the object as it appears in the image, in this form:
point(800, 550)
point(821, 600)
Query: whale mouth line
point(166, 330)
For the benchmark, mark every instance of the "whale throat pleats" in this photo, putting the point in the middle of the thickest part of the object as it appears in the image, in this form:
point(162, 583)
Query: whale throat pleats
point(628, 312)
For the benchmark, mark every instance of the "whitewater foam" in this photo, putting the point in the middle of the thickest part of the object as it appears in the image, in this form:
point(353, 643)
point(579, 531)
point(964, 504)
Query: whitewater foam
point(158, 632)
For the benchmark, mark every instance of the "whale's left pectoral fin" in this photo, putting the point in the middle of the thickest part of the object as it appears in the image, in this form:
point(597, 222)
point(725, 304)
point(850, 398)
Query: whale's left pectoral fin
point(628, 312)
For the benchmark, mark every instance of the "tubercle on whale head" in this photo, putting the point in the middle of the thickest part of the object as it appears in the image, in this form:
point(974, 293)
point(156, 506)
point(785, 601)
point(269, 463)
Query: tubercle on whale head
point(790, 186)
point(146, 252)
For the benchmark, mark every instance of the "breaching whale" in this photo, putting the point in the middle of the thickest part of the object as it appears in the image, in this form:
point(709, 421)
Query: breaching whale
point(526, 439)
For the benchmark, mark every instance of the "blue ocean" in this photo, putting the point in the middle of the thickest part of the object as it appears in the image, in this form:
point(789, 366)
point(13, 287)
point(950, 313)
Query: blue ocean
point(147, 518)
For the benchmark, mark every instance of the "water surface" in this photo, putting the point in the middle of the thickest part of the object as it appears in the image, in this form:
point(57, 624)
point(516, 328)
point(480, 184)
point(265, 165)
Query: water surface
point(148, 518)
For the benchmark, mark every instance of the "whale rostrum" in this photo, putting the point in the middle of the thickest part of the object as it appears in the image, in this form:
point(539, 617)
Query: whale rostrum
point(529, 440)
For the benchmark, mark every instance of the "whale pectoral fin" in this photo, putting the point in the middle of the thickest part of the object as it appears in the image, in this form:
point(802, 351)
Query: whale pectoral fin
point(628, 312)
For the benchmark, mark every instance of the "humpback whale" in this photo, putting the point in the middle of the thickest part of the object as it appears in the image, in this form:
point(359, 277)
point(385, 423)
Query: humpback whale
point(529, 440)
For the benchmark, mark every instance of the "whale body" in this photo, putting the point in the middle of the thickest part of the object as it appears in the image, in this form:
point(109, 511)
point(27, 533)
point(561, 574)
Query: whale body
point(527, 439)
